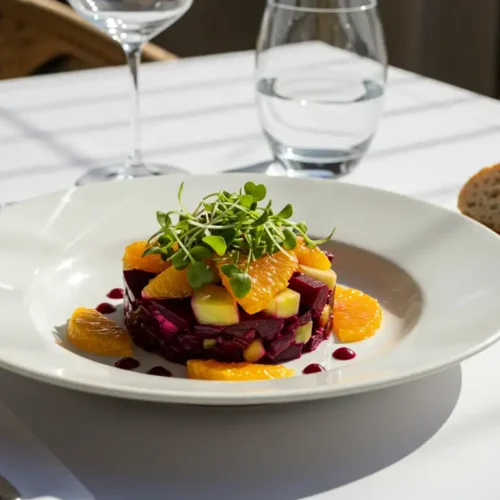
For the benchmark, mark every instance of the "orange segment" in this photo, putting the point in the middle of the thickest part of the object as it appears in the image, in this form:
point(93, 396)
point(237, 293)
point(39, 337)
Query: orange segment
point(92, 332)
point(236, 372)
point(269, 276)
point(311, 257)
point(356, 316)
point(170, 284)
point(133, 259)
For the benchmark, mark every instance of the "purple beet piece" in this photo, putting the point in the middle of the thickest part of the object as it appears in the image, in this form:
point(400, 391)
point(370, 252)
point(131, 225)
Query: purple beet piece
point(292, 323)
point(313, 293)
point(315, 341)
point(178, 312)
point(135, 281)
point(277, 346)
point(293, 352)
point(238, 341)
point(190, 343)
point(265, 326)
point(329, 255)
point(167, 329)
point(207, 331)
point(305, 318)
point(143, 326)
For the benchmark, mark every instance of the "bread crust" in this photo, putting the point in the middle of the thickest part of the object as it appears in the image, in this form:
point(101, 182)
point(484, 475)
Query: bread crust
point(479, 198)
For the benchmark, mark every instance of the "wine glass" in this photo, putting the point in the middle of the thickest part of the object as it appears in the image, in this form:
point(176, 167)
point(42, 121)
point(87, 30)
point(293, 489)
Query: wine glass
point(131, 23)
point(320, 80)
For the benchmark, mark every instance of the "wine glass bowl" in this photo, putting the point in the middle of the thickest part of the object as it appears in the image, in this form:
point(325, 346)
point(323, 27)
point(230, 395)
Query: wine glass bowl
point(320, 81)
point(130, 23)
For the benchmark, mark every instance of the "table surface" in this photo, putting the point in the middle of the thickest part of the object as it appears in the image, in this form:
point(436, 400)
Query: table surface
point(434, 438)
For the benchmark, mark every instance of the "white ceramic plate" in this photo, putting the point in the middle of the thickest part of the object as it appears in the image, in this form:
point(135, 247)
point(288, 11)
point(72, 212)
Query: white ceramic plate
point(435, 273)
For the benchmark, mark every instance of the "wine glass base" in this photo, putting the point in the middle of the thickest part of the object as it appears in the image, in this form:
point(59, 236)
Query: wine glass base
point(119, 173)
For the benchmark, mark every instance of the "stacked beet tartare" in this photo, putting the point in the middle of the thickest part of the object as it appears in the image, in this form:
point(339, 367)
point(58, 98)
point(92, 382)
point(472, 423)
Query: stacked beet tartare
point(231, 281)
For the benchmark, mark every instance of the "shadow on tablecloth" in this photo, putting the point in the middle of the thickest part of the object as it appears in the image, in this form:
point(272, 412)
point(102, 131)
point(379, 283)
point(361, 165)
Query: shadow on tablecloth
point(130, 450)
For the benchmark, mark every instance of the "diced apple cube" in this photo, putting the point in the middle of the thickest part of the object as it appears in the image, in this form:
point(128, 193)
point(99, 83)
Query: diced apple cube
point(303, 333)
point(325, 316)
point(254, 352)
point(209, 343)
point(328, 277)
point(214, 305)
point(285, 305)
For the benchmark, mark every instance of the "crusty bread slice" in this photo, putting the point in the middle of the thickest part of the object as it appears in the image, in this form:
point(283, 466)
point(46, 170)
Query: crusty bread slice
point(479, 198)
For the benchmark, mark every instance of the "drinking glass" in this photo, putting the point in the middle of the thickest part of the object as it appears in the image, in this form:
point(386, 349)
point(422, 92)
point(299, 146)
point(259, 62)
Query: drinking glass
point(320, 79)
point(131, 23)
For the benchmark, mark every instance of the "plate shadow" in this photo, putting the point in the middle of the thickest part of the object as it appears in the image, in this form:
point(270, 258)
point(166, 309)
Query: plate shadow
point(127, 450)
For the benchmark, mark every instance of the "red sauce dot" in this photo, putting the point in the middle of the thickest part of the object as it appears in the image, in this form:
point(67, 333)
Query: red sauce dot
point(116, 293)
point(343, 354)
point(312, 368)
point(127, 364)
point(105, 308)
point(159, 371)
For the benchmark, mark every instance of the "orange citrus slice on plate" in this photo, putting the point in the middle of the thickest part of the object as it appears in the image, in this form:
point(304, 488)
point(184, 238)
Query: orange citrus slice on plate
point(170, 284)
point(236, 372)
point(311, 257)
point(356, 316)
point(269, 276)
point(133, 259)
point(92, 332)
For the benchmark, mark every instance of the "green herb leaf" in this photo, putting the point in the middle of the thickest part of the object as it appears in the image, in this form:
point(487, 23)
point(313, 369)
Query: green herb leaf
point(286, 213)
point(246, 200)
point(180, 261)
point(179, 193)
point(259, 252)
point(259, 192)
point(261, 220)
point(229, 235)
point(290, 239)
point(183, 225)
point(217, 243)
point(240, 285)
point(230, 270)
point(163, 219)
point(151, 251)
point(167, 252)
point(200, 252)
point(250, 188)
point(199, 274)
point(164, 240)
point(325, 240)
point(302, 226)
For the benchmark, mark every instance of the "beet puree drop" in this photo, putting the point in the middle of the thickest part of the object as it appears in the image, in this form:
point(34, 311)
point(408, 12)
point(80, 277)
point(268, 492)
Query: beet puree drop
point(116, 293)
point(105, 308)
point(312, 368)
point(343, 354)
point(159, 371)
point(127, 364)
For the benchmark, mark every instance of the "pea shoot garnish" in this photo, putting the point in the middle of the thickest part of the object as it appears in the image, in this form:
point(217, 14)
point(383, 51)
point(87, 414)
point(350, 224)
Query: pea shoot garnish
point(235, 228)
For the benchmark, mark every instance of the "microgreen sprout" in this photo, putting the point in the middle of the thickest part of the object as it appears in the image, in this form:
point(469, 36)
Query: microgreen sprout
point(233, 228)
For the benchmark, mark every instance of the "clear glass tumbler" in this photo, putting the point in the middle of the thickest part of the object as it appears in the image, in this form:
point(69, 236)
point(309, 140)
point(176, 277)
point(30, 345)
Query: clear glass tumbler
point(320, 78)
point(131, 23)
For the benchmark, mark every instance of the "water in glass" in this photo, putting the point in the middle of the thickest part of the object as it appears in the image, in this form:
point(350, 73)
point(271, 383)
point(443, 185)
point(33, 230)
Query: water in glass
point(320, 79)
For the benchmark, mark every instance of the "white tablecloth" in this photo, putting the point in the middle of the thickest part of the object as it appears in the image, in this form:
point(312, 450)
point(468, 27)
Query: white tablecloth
point(435, 438)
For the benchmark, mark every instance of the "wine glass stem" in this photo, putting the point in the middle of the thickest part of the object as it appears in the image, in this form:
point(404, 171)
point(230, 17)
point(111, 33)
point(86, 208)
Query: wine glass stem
point(134, 160)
